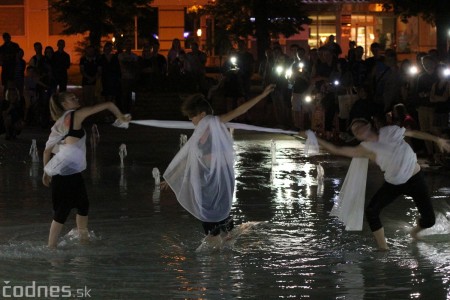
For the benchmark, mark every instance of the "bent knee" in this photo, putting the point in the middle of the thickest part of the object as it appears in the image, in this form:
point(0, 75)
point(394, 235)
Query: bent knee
point(427, 222)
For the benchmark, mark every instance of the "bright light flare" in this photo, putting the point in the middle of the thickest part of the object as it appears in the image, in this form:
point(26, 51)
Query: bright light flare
point(279, 70)
point(413, 70)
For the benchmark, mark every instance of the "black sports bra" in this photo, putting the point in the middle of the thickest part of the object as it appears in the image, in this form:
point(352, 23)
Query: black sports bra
point(77, 133)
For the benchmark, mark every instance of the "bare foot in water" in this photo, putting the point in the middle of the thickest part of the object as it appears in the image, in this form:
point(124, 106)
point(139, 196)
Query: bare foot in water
point(414, 232)
point(84, 236)
point(382, 250)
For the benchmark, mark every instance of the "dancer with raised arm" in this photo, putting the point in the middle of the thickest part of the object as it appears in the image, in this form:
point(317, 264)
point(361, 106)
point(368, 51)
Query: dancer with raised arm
point(65, 158)
point(202, 174)
point(402, 174)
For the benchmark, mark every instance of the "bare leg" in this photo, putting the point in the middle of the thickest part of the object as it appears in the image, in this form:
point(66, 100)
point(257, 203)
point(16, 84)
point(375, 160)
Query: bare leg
point(55, 230)
point(380, 239)
point(82, 225)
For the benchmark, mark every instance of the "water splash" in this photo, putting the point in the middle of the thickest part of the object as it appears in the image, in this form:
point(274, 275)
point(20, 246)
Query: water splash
point(72, 238)
point(122, 154)
point(442, 226)
point(273, 152)
point(95, 136)
point(34, 152)
point(183, 140)
point(225, 240)
point(156, 176)
point(123, 181)
point(320, 174)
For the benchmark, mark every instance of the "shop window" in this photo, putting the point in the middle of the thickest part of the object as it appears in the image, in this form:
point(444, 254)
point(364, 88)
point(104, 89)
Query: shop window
point(320, 29)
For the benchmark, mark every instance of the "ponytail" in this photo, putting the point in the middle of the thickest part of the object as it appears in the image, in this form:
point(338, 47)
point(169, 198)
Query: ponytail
point(56, 108)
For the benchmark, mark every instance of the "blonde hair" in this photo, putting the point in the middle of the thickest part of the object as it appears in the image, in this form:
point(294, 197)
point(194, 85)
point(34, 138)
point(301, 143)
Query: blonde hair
point(56, 107)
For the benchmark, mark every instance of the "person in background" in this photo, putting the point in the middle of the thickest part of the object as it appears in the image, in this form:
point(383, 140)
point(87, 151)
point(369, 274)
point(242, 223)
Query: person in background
point(61, 65)
point(12, 113)
point(196, 60)
point(8, 53)
point(90, 70)
point(110, 74)
point(19, 72)
point(129, 69)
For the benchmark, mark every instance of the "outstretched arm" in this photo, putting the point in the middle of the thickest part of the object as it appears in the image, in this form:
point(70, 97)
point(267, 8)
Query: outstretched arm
point(85, 112)
point(357, 151)
point(443, 144)
point(242, 109)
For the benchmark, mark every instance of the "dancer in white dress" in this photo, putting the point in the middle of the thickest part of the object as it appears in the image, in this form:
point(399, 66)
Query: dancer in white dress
point(202, 174)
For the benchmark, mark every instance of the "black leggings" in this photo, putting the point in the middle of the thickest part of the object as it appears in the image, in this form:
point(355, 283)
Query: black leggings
point(68, 192)
point(216, 227)
point(415, 187)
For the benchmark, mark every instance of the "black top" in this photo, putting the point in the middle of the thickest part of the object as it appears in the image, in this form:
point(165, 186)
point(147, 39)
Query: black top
point(78, 133)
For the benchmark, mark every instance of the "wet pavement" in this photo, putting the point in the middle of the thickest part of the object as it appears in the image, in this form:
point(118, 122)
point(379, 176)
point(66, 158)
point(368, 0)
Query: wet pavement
point(143, 244)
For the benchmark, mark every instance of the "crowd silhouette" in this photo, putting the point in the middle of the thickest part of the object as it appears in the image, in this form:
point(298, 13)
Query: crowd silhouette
point(321, 89)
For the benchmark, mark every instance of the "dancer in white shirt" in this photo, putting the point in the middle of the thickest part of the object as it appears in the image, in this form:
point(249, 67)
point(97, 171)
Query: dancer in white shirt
point(402, 173)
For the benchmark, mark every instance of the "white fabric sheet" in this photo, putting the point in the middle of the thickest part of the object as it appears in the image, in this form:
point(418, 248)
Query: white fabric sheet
point(349, 208)
point(68, 159)
point(189, 125)
point(311, 144)
point(201, 174)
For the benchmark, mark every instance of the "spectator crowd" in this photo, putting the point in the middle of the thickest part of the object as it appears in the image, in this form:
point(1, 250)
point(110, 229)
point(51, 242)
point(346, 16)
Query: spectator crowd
point(321, 89)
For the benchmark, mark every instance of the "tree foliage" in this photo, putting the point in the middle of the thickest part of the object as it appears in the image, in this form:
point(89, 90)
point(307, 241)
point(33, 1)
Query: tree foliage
point(98, 17)
point(258, 18)
point(429, 10)
point(435, 12)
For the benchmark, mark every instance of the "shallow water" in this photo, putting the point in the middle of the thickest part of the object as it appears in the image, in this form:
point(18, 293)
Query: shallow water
point(143, 244)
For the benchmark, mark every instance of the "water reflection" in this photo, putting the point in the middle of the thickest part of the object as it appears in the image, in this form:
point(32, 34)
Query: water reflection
point(123, 183)
point(144, 242)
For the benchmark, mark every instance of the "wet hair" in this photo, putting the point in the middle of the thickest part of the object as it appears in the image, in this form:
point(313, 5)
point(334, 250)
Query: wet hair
point(56, 107)
point(196, 104)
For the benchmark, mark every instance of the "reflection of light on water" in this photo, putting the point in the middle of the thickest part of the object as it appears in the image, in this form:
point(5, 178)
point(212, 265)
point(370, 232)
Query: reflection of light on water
point(34, 174)
point(123, 183)
point(156, 197)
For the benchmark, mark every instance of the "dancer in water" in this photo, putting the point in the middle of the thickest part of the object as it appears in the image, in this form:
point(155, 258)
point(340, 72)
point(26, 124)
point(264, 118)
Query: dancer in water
point(402, 174)
point(65, 158)
point(202, 174)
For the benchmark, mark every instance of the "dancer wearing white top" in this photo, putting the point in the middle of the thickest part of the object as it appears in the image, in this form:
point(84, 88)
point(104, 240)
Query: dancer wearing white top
point(65, 159)
point(202, 174)
point(402, 174)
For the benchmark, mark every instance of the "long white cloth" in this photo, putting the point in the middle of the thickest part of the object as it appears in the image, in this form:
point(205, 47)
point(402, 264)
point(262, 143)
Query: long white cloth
point(68, 159)
point(349, 208)
point(189, 125)
point(201, 174)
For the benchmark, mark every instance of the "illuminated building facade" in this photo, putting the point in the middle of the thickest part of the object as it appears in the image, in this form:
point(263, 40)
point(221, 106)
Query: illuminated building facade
point(362, 21)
